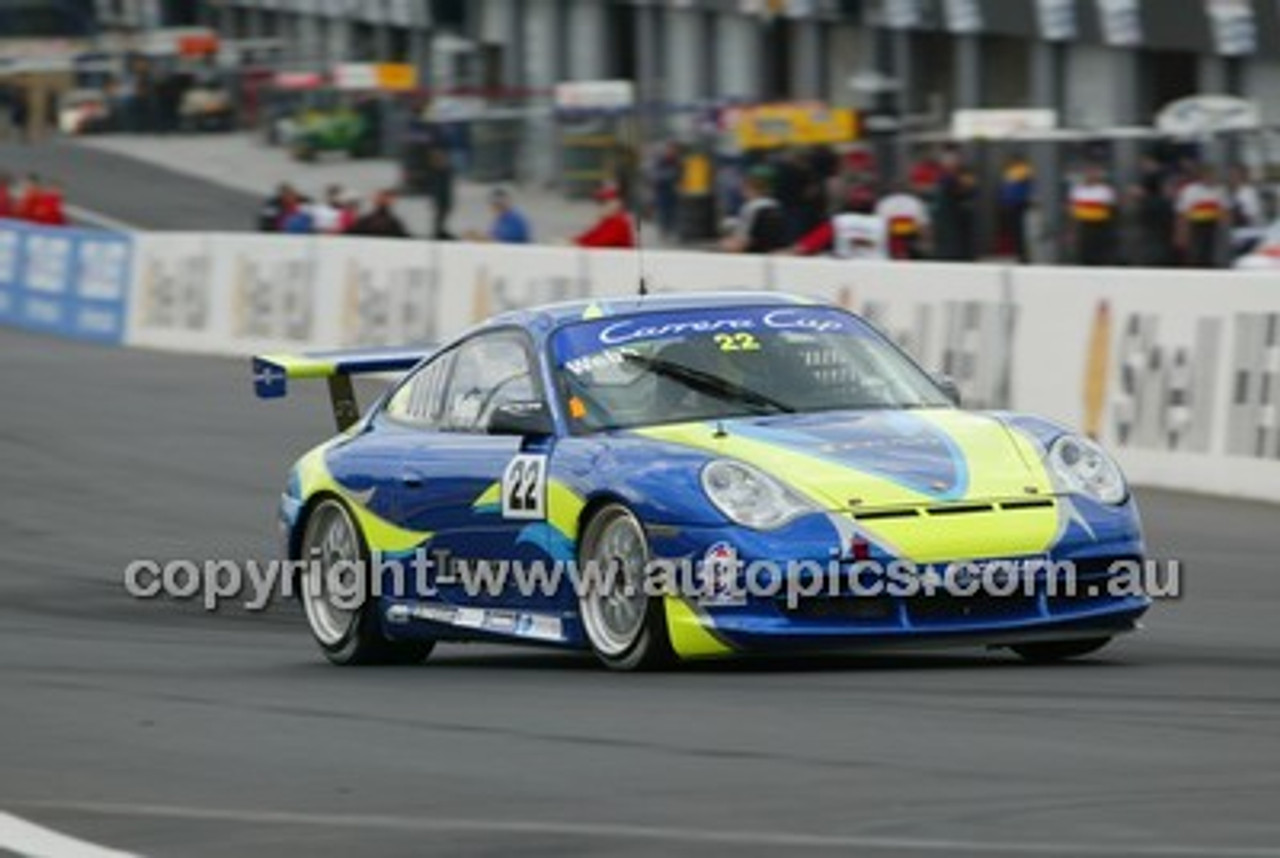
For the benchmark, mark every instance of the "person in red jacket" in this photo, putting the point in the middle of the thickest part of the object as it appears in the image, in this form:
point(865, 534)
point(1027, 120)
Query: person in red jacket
point(614, 228)
point(28, 201)
point(47, 207)
point(6, 198)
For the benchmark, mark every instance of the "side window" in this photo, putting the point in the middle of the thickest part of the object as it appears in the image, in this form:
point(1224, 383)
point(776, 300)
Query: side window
point(489, 371)
point(418, 400)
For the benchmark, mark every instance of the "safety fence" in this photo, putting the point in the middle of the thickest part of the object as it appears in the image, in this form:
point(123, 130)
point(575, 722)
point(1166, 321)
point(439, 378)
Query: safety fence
point(1178, 372)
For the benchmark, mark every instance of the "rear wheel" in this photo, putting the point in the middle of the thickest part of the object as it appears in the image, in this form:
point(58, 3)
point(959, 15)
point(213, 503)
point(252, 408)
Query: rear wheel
point(1051, 651)
point(626, 628)
point(347, 632)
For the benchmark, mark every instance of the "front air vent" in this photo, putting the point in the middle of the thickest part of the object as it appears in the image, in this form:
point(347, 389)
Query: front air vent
point(1038, 503)
point(882, 514)
point(953, 509)
point(960, 509)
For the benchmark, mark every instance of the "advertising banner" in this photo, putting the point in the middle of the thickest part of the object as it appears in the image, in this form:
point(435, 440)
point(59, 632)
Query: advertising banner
point(230, 294)
point(1175, 374)
point(69, 282)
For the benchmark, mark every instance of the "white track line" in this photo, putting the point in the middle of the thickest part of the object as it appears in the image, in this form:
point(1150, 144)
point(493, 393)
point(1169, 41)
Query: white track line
point(98, 219)
point(27, 838)
point(661, 834)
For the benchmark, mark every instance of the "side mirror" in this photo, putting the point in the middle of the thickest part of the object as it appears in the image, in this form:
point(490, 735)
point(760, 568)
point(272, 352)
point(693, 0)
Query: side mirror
point(521, 418)
point(948, 386)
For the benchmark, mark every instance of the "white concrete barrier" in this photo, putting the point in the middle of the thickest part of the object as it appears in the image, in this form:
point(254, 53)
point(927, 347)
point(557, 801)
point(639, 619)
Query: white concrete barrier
point(1178, 372)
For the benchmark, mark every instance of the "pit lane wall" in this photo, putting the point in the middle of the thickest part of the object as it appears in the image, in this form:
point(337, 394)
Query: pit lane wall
point(1177, 372)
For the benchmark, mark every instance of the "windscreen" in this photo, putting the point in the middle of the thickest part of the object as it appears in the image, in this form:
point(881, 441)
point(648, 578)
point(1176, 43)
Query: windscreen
point(706, 364)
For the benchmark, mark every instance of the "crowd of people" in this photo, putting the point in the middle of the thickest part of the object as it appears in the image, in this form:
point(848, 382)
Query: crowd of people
point(807, 202)
point(336, 212)
point(33, 199)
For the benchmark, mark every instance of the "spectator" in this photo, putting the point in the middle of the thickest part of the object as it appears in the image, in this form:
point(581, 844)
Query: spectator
point(348, 210)
point(906, 220)
point(799, 192)
point(1092, 204)
point(1245, 200)
point(1202, 209)
point(440, 180)
point(29, 203)
point(18, 115)
point(1248, 213)
point(40, 202)
point(761, 226)
point(953, 203)
point(509, 225)
point(273, 209)
point(1154, 213)
point(857, 232)
point(666, 188)
point(326, 215)
point(613, 228)
point(6, 201)
point(1016, 187)
point(300, 217)
point(381, 220)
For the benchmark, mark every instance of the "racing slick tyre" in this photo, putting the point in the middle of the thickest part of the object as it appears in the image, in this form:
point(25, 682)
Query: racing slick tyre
point(1051, 651)
point(627, 629)
point(346, 634)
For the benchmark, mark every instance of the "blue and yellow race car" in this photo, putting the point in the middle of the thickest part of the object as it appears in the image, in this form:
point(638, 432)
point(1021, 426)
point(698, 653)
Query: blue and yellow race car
point(680, 477)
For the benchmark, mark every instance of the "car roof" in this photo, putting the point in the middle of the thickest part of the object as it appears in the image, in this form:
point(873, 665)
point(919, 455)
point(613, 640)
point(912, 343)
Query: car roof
point(551, 316)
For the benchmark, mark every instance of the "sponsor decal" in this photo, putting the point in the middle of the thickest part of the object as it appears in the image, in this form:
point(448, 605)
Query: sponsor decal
point(524, 488)
point(273, 299)
point(1164, 390)
point(1253, 413)
point(385, 307)
point(69, 282)
point(175, 292)
point(718, 576)
point(793, 319)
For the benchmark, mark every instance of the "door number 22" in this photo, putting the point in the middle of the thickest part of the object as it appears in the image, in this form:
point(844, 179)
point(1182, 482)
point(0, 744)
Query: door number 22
point(524, 488)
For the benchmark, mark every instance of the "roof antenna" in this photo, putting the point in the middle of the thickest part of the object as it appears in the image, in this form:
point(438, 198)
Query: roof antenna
point(637, 141)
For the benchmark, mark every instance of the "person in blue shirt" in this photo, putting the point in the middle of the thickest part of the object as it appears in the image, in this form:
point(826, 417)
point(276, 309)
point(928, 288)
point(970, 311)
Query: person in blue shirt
point(509, 226)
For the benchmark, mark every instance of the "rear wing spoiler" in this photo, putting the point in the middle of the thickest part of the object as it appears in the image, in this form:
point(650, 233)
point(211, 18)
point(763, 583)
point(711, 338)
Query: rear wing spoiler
point(271, 374)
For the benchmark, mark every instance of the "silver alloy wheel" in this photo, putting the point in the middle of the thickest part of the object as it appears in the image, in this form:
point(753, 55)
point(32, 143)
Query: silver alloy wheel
point(614, 612)
point(330, 540)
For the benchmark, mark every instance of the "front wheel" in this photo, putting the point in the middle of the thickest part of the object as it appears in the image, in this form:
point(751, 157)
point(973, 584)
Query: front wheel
point(627, 629)
point(1051, 651)
point(342, 614)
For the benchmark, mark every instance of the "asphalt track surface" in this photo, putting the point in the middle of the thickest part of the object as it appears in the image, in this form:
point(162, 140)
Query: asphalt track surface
point(160, 729)
point(132, 192)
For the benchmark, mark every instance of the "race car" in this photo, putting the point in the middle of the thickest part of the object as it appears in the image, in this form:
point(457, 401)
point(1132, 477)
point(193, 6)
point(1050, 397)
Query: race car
point(693, 476)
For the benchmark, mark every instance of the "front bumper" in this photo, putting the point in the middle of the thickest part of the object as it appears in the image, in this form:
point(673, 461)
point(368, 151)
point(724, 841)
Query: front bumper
point(1086, 595)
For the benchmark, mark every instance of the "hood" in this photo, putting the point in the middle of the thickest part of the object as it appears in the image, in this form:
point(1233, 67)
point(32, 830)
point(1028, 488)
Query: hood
point(867, 459)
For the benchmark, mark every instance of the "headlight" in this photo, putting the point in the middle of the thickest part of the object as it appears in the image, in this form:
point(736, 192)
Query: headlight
point(750, 497)
point(1081, 466)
